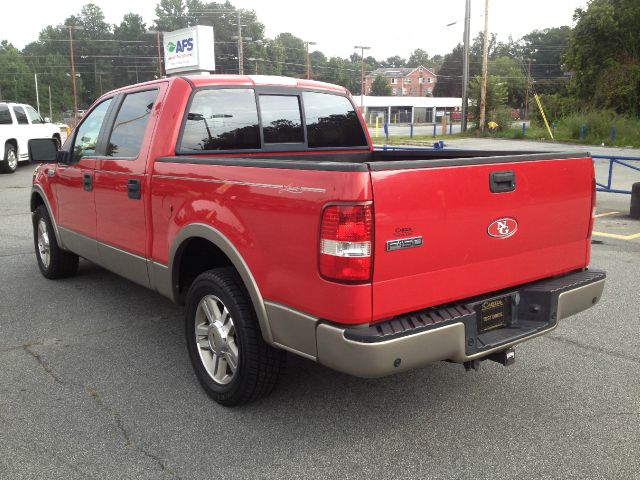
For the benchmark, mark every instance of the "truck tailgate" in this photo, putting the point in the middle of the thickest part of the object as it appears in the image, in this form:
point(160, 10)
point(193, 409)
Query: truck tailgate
point(463, 250)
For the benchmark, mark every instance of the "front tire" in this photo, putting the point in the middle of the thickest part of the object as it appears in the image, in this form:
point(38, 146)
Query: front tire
point(229, 356)
point(10, 162)
point(52, 260)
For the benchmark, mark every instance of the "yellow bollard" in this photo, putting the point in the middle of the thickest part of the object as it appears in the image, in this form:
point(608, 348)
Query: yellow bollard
point(377, 121)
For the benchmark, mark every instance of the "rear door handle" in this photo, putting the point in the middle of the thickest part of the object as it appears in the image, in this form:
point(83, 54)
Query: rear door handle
point(133, 189)
point(87, 182)
point(501, 182)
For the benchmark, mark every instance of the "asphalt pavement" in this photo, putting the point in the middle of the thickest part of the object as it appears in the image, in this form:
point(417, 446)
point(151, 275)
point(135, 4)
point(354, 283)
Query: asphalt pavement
point(95, 382)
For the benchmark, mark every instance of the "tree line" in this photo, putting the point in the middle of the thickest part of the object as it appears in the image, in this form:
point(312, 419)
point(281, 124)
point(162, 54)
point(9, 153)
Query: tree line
point(595, 63)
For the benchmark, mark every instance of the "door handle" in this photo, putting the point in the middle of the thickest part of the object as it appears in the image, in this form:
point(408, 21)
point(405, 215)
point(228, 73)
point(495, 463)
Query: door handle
point(133, 189)
point(87, 182)
point(501, 182)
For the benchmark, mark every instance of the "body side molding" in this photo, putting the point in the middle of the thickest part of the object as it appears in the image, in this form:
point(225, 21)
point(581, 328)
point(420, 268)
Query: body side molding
point(207, 232)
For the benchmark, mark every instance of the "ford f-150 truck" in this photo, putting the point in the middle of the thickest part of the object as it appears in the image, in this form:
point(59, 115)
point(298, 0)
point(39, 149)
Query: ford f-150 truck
point(260, 204)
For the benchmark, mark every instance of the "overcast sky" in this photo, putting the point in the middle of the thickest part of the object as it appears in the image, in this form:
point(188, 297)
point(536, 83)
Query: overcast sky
point(336, 25)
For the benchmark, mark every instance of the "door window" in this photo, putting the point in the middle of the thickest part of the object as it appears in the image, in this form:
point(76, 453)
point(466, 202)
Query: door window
point(5, 115)
point(281, 119)
point(224, 119)
point(34, 116)
point(20, 115)
point(89, 130)
point(131, 124)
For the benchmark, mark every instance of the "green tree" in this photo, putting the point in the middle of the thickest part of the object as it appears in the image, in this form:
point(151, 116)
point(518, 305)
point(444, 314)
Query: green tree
point(380, 87)
point(546, 48)
point(604, 55)
point(419, 57)
point(509, 70)
point(16, 82)
point(496, 98)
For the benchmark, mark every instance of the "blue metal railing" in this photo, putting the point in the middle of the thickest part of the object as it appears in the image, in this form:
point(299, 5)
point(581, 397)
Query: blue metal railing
point(615, 159)
point(436, 146)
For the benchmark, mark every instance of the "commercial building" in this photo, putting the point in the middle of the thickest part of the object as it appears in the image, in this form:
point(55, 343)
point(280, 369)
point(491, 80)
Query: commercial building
point(409, 109)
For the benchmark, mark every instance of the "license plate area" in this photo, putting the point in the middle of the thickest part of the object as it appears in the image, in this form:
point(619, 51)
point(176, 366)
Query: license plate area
point(494, 313)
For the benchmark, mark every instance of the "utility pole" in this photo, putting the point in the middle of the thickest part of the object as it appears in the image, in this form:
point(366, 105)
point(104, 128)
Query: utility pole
point(465, 66)
point(240, 52)
point(159, 58)
point(485, 54)
point(35, 75)
point(526, 93)
point(362, 49)
point(309, 59)
point(50, 107)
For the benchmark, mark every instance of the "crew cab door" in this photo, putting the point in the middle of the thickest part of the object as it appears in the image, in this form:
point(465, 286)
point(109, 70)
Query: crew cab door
point(21, 129)
point(73, 184)
point(121, 187)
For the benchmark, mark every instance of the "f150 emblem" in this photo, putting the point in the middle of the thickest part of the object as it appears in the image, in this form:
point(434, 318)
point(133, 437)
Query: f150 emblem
point(502, 227)
point(404, 243)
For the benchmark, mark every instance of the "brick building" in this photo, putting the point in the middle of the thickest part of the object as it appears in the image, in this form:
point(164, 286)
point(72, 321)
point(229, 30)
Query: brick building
point(405, 82)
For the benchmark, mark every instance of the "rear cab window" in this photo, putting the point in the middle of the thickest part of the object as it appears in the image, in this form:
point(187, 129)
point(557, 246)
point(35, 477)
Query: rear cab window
point(5, 115)
point(270, 119)
point(332, 121)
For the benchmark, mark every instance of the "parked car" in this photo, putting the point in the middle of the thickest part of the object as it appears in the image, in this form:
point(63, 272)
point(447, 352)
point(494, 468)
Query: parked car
point(18, 124)
point(260, 204)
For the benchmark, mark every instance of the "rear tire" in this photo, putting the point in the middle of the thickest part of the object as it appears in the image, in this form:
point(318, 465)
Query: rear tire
point(9, 164)
point(52, 260)
point(229, 356)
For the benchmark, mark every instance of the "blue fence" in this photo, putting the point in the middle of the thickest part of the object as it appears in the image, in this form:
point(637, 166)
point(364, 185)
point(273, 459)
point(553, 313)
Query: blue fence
point(436, 146)
point(616, 160)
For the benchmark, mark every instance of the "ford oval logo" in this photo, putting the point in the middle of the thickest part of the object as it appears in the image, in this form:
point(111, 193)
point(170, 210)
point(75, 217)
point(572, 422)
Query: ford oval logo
point(502, 227)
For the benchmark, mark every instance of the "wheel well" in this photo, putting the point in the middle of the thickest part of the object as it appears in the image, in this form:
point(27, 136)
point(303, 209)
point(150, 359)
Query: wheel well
point(36, 201)
point(12, 141)
point(195, 255)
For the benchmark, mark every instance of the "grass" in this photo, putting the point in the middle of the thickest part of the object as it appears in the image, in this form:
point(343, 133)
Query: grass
point(419, 140)
point(597, 125)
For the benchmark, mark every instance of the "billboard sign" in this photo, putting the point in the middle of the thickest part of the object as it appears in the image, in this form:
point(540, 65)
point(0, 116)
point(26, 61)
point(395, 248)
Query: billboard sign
point(189, 50)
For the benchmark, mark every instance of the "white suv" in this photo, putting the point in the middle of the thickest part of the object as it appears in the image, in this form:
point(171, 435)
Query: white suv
point(19, 123)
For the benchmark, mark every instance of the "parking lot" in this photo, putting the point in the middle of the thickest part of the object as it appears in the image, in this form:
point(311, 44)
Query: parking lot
point(95, 382)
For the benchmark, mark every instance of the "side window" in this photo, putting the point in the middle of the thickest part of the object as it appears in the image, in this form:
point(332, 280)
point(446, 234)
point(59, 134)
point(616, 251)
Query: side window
point(5, 115)
point(88, 131)
point(331, 121)
point(34, 116)
point(130, 124)
point(224, 119)
point(281, 119)
point(21, 117)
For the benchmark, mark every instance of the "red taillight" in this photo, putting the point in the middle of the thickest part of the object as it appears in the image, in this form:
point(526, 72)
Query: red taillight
point(346, 237)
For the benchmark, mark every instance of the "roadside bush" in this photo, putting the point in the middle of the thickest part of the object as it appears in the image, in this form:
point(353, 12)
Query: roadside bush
point(503, 117)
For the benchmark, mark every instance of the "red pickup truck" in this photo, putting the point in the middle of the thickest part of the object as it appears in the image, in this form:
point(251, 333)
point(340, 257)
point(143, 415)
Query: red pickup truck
point(260, 204)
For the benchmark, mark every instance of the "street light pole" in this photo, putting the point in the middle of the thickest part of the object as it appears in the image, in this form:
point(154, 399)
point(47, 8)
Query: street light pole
point(465, 66)
point(308, 59)
point(362, 49)
point(73, 77)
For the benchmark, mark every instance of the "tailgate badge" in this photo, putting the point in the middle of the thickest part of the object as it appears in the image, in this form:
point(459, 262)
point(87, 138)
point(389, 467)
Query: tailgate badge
point(502, 227)
point(404, 243)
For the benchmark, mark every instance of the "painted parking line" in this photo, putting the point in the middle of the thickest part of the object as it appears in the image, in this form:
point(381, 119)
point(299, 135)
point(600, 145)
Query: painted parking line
point(616, 236)
point(604, 214)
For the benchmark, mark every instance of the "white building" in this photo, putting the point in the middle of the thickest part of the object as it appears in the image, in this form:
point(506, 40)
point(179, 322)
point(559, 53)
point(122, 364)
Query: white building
point(409, 109)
